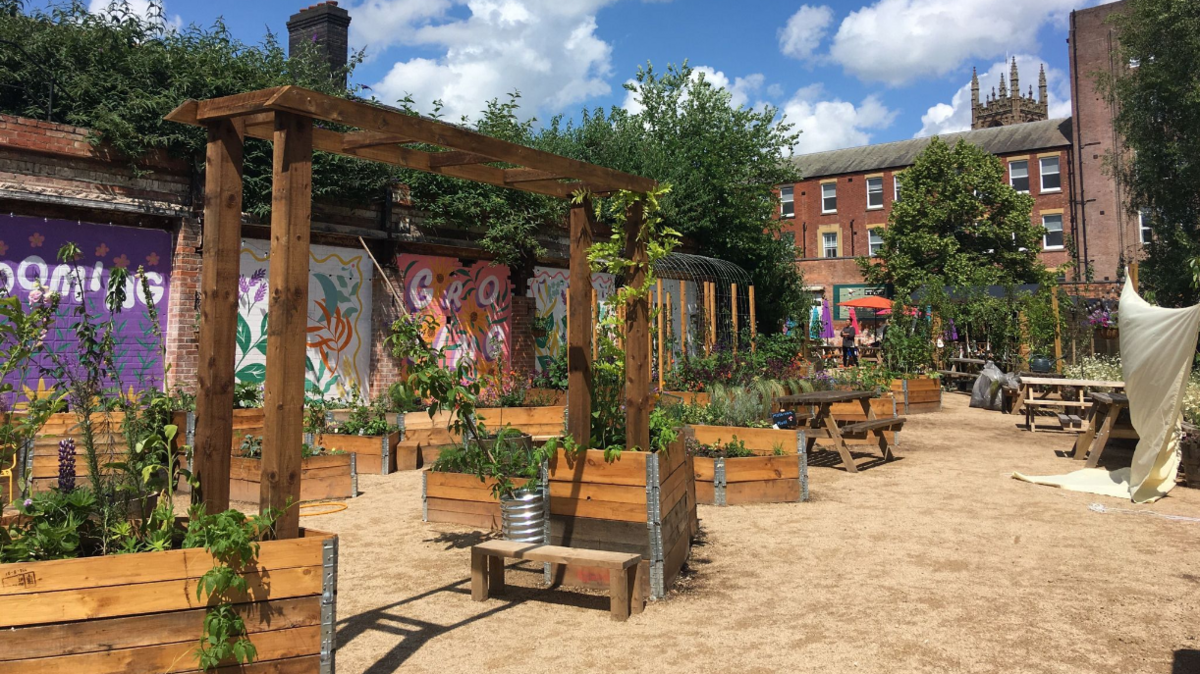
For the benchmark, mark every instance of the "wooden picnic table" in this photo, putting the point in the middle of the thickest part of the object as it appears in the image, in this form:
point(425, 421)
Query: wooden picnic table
point(1029, 403)
point(962, 370)
point(822, 424)
point(1102, 425)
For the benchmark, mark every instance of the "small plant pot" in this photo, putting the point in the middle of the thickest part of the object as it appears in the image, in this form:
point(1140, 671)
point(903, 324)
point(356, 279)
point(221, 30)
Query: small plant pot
point(523, 516)
point(1189, 448)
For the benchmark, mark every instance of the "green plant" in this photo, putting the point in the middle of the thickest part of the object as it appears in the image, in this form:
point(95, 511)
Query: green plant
point(233, 541)
point(402, 398)
point(730, 450)
point(251, 447)
point(247, 395)
point(367, 419)
point(508, 459)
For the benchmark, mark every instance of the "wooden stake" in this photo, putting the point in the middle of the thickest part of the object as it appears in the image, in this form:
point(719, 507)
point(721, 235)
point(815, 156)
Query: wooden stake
point(753, 323)
point(283, 397)
point(595, 311)
point(579, 332)
point(1057, 333)
point(218, 312)
point(661, 334)
point(733, 314)
point(1024, 350)
point(1133, 276)
point(637, 324)
point(668, 307)
point(683, 318)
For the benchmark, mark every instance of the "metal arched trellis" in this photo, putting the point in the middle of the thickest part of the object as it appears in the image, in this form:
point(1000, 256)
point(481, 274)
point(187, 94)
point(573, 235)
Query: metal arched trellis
point(705, 304)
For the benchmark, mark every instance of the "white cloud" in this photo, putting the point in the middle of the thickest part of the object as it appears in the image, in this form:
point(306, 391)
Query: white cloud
point(956, 115)
point(147, 10)
point(834, 124)
point(547, 50)
point(801, 37)
point(740, 90)
point(898, 41)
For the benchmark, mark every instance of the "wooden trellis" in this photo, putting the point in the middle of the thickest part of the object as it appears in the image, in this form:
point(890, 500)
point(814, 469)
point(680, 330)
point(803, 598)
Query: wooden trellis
point(298, 121)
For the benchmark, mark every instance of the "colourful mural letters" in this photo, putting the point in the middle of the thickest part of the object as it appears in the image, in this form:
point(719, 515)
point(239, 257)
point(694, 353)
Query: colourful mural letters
point(29, 264)
point(470, 308)
point(339, 319)
point(549, 290)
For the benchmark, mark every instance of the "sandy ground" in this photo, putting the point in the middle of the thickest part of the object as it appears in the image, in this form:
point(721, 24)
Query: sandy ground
point(937, 562)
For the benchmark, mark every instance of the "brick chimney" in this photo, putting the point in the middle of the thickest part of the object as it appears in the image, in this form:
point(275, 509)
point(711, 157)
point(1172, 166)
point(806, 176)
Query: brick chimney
point(328, 26)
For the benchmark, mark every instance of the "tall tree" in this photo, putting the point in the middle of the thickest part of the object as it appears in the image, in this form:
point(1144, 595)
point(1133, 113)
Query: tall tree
point(723, 163)
point(1158, 104)
point(959, 224)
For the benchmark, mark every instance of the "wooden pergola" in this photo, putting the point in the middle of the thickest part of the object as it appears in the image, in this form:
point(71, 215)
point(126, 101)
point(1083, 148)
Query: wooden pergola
point(292, 118)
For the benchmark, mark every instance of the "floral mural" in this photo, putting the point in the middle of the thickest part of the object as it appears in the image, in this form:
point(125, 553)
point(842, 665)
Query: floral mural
point(470, 308)
point(548, 287)
point(339, 319)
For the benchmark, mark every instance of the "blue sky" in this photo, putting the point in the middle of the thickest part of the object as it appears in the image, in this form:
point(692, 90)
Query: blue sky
point(847, 72)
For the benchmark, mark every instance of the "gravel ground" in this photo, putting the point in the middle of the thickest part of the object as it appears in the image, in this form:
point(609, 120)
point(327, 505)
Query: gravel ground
point(937, 562)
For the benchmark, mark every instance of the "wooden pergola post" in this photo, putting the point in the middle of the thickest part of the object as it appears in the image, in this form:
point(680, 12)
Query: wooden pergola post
point(637, 327)
point(218, 312)
point(579, 328)
point(283, 401)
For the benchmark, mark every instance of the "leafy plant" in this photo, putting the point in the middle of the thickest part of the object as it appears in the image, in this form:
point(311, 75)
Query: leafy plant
point(509, 459)
point(247, 395)
point(730, 450)
point(367, 419)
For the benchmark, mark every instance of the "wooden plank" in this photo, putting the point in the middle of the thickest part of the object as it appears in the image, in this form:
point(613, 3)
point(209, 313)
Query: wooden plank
point(489, 508)
point(456, 158)
point(753, 321)
point(760, 468)
point(628, 469)
point(600, 534)
point(171, 595)
point(612, 510)
point(579, 329)
point(763, 440)
point(704, 469)
point(598, 492)
point(637, 330)
point(483, 522)
point(176, 656)
point(683, 318)
point(662, 335)
point(283, 405)
point(248, 103)
point(218, 312)
point(557, 554)
point(765, 491)
point(524, 175)
point(360, 139)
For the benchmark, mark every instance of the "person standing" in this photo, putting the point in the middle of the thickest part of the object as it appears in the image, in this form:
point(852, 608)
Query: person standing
point(849, 352)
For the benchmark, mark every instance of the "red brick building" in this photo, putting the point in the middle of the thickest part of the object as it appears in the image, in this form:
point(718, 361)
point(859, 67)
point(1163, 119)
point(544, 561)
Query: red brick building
point(846, 195)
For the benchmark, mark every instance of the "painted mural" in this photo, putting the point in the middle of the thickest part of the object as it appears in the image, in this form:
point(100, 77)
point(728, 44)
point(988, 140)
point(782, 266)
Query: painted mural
point(339, 319)
point(548, 287)
point(29, 268)
point(470, 308)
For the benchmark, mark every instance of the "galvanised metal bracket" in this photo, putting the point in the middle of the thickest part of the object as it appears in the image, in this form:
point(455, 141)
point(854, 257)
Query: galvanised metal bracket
point(719, 482)
point(329, 563)
point(654, 528)
point(353, 475)
point(385, 455)
point(802, 453)
point(424, 496)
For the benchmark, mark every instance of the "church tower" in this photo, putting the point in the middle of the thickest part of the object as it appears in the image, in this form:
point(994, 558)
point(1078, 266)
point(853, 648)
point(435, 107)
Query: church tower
point(1009, 106)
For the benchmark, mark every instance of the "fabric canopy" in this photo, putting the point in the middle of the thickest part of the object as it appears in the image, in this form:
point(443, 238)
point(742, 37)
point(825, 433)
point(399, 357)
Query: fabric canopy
point(868, 302)
point(1157, 347)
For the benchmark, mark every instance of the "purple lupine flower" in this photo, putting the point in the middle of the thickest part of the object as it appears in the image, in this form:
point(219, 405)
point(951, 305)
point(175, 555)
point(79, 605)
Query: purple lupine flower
point(261, 293)
point(66, 465)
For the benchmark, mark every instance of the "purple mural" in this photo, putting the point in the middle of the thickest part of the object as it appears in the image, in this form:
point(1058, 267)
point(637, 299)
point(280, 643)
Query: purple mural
point(29, 257)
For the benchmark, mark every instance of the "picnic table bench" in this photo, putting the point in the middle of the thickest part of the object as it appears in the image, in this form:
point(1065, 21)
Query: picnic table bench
point(1103, 424)
point(625, 585)
point(1066, 409)
point(822, 424)
point(962, 370)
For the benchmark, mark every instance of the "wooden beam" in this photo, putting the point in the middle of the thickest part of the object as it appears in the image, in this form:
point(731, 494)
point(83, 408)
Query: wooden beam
point(753, 323)
point(637, 328)
point(357, 139)
point(733, 314)
point(247, 103)
point(456, 158)
point(524, 175)
point(283, 400)
point(222, 241)
point(683, 318)
point(579, 328)
point(662, 304)
point(373, 118)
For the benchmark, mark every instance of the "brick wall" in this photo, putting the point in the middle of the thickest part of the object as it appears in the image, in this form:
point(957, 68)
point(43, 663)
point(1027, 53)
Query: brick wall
point(183, 316)
point(384, 311)
point(853, 220)
point(523, 313)
point(1110, 231)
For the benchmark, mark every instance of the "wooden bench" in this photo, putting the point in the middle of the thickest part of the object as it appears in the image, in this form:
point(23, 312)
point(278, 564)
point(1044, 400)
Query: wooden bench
point(864, 427)
point(487, 570)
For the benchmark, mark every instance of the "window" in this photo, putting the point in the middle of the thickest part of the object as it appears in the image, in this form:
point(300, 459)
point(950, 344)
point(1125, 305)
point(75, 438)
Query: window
point(896, 188)
point(790, 237)
point(1051, 179)
point(1053, 238)
point(1018, 175)
point(874, 240)
point(874, 192)
point(787, 201)
point(829, 197)
point(829, 244)
point(1145, 233)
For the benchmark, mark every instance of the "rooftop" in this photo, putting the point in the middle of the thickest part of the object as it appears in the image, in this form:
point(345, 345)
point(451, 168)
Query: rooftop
point(998, 140)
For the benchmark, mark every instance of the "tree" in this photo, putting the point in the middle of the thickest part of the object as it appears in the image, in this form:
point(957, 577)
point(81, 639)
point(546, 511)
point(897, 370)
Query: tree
point(723, 163)
point(959, 225)
point(1158, 116)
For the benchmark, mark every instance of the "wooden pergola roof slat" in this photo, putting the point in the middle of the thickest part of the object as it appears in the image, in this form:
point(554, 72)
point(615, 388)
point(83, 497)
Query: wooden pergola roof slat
point(458, 141)
point(357, 139)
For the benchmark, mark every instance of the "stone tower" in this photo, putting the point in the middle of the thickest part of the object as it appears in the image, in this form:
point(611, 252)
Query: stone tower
point(327, 26)
point(1009, 106)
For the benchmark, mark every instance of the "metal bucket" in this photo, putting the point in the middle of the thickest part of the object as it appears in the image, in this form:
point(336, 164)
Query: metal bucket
point(523, 516)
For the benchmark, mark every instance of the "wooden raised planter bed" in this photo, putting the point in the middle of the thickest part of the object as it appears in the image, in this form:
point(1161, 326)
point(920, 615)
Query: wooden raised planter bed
point(459, 498)
point(139, 612)
point(321, 477)
point(643, 502)
point(689, 397)
point(917, 396)
point(377, 454)
point(766, 478)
